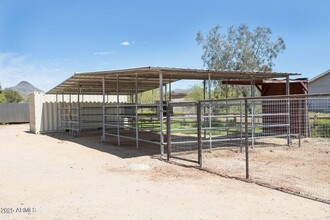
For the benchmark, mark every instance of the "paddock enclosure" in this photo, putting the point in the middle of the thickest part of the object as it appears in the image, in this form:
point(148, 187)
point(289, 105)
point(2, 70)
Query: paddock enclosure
point(230, 137)
point(124, 115)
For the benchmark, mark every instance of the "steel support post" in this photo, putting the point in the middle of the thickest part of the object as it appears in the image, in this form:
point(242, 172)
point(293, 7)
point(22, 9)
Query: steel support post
point(70, 114)
point(252, 111)
point(246, 139)
point(78, 111)
point(241, 124)
point(210, 111)
point(168, 131)
point(61, 113)
point(227, 108)
point(288, 110)
point(118, 128)
point(199, 133)
point(136, 113)
point(161, 114)
point(103, 110)
point(170, 91)
point(204, 108)
point(57, 113)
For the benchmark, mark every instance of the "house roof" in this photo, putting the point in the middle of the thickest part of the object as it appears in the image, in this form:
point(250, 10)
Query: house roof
point(148, 78)
point(319, 76)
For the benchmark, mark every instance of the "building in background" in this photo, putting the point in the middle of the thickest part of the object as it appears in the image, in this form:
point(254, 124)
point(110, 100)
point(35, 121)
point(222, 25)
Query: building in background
point(320, 83)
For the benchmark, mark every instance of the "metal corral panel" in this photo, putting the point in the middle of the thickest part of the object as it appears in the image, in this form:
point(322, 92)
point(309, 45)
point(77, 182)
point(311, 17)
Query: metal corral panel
point(14, 112)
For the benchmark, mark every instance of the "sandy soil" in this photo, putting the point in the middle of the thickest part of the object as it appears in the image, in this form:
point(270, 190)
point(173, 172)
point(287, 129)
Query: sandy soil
point(79, 178)
point(303, 170)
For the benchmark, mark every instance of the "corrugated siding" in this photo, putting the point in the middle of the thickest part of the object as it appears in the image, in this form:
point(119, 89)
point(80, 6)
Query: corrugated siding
point(320, 85)
point(14, 112)
point(45, 115)
point(83, 98)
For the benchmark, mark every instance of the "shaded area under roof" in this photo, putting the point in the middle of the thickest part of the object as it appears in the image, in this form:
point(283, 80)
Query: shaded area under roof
point(148, 78)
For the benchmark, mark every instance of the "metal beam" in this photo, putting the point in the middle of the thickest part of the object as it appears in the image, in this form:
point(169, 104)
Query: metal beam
point(161, 114)
point(136, 113)
point(118, 129)
point(103, 110)
point(289, 111)
point(210, 111)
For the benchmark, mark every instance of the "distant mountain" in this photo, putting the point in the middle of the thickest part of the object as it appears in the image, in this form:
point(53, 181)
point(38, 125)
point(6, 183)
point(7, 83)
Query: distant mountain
point(25, 88)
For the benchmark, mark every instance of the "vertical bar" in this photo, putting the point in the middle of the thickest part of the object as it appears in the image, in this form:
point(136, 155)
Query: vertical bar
point(204, 110)
point(288, 110)
point(57, 113)
point(136, 113)
point(210, 111)
point(103, 109)
point(300, 111)
point(165, 93)
point(246, 140)
point(170, 92)
point(70, 114)
point(168, 131)
point(161, 114)
point(132, 122)
point(227, 109)
point(306, 115)
point(241, 125)
point(199, 134)
point(118, 128)
point(252, 112)
point(62, 113)
point(78, 111)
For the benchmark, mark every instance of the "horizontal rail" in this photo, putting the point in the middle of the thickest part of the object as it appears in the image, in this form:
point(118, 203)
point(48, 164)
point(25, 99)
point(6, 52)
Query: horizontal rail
point(132, 138)
point(269, 125)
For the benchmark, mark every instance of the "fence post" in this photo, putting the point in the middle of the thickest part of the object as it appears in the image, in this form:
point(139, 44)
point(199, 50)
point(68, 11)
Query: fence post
point(168, 131)
point(246, 139)
point(199, 133)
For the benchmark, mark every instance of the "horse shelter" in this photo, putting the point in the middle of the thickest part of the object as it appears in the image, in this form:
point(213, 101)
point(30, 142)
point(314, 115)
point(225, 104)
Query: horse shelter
point(121, 114)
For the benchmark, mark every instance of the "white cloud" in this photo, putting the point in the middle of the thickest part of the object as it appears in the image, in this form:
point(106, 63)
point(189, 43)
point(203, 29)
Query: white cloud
point(125, 43)
point(103, 53)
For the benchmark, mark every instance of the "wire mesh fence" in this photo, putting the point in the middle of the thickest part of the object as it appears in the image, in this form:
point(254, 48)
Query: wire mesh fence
point(279, 141)
point(182, 130)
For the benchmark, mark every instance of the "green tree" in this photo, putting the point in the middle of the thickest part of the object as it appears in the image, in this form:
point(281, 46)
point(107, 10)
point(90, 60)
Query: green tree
point(149, 97)
point(195, 92)
point(240, 49)
point(2, 97)
point(12, 96)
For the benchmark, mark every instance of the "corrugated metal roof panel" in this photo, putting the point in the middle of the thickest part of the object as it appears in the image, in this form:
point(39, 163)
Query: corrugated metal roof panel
point(148, 78)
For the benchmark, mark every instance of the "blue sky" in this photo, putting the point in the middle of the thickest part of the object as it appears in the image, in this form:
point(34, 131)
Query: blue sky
point(46, 41)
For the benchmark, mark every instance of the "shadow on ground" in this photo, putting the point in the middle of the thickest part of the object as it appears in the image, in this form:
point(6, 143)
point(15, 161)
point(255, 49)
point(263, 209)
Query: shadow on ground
point(92, 139)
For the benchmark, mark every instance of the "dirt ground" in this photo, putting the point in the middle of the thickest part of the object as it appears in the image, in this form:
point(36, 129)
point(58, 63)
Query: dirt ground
point(304, 170)
point(58, 177)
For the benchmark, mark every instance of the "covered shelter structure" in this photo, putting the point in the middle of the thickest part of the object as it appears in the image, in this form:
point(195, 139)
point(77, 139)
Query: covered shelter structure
point(132, 119)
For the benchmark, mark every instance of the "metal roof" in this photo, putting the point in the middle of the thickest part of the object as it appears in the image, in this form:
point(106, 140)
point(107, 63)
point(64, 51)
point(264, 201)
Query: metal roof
point(148, 78)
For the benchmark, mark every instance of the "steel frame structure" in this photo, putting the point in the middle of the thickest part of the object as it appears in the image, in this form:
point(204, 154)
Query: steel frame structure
point(132, 82)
